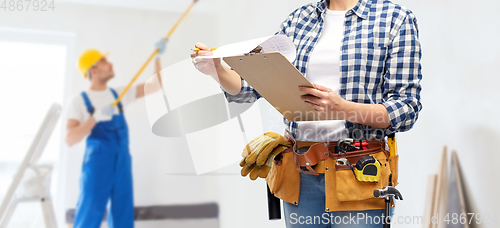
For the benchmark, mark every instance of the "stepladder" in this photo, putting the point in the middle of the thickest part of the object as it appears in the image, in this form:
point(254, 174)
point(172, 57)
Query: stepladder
point(31, 182)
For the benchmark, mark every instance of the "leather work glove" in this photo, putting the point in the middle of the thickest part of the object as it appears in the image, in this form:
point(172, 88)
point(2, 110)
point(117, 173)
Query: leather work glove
point(259, 148)
point(103, 114)
point(259, 154)
point(261, 171)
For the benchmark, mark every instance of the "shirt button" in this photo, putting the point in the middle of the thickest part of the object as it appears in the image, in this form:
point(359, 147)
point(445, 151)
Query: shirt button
point(307, 50)
point(345, 52)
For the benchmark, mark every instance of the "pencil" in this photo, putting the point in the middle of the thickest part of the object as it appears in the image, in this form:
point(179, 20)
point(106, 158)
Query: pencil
point(197, 49)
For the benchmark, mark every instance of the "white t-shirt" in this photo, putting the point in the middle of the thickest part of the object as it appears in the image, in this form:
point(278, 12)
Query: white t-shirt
point(324, 69)
point(78, 111)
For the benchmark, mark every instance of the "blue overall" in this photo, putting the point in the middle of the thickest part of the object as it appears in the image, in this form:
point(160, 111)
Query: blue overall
point(106, 174)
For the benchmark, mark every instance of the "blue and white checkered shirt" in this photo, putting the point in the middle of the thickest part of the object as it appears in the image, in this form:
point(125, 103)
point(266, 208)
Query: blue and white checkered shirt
point(380, 60)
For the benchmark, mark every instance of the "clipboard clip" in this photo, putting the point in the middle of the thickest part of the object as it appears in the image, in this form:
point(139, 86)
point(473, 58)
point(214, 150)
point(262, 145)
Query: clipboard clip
point(256, 50)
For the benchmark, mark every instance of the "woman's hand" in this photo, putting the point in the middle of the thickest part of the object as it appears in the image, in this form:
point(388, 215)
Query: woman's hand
point(228, 79)
point(327, 104)
point(205, 66)
point(330, 106)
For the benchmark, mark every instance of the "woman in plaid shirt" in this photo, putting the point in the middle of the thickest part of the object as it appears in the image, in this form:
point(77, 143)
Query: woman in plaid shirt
point(364, 58)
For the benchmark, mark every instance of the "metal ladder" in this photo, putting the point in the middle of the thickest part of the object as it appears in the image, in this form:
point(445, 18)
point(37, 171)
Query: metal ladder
point(30, 161)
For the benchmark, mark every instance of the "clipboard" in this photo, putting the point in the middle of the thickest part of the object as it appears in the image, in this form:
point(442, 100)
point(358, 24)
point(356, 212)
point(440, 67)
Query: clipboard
point(277, 80)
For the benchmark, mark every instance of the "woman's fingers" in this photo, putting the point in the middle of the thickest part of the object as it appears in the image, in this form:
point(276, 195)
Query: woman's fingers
point(201, 46)
point(201, 53)
point(322, 88)
point(311, 99)
point(204, 53)
point(315, 106)
point(312, 91)
point(204, 50)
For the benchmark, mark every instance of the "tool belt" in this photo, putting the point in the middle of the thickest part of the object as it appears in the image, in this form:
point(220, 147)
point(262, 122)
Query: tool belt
point(343, 191)
point(310, 156)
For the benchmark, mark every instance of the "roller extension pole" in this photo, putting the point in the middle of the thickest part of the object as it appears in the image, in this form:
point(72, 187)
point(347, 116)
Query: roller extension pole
point(153, 55)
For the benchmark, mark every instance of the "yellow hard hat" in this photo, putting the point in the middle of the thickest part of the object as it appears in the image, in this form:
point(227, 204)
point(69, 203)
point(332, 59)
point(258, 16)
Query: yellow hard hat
point(88, 58)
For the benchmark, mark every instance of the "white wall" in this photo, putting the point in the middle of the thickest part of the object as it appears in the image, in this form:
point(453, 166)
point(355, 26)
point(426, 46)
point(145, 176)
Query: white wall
point(459, 98)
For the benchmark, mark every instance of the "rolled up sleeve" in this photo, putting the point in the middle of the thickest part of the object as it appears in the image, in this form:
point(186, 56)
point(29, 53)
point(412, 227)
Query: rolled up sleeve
point(247, 94)
point(402, 80)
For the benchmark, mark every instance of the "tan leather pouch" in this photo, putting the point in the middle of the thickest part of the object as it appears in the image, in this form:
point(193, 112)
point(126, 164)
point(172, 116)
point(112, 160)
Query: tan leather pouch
point(284, 179)
point(350, 189)
point(394, 164)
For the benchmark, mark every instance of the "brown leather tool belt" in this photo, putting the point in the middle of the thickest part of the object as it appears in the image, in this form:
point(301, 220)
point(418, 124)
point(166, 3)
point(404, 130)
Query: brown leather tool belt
point(310, 156)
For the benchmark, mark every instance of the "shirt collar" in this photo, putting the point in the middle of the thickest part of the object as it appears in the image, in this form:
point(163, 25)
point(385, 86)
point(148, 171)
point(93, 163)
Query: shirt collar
point(361, 9)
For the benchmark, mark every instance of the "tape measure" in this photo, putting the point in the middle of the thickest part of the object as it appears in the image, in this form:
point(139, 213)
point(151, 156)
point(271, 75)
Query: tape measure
point(367, 169)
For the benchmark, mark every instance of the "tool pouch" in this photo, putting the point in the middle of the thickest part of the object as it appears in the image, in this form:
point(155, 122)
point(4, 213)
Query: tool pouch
point(348, 188)
point(283, 179)
point(394, 165)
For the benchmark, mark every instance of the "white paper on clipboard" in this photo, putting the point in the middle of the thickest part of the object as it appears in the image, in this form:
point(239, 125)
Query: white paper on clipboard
point(277, 43)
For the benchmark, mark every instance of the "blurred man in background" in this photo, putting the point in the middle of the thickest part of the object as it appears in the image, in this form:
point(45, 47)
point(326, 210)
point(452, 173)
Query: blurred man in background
point(107, 168)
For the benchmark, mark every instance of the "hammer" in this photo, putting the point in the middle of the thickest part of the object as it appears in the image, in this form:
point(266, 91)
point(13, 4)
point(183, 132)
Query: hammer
point(387, 193)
